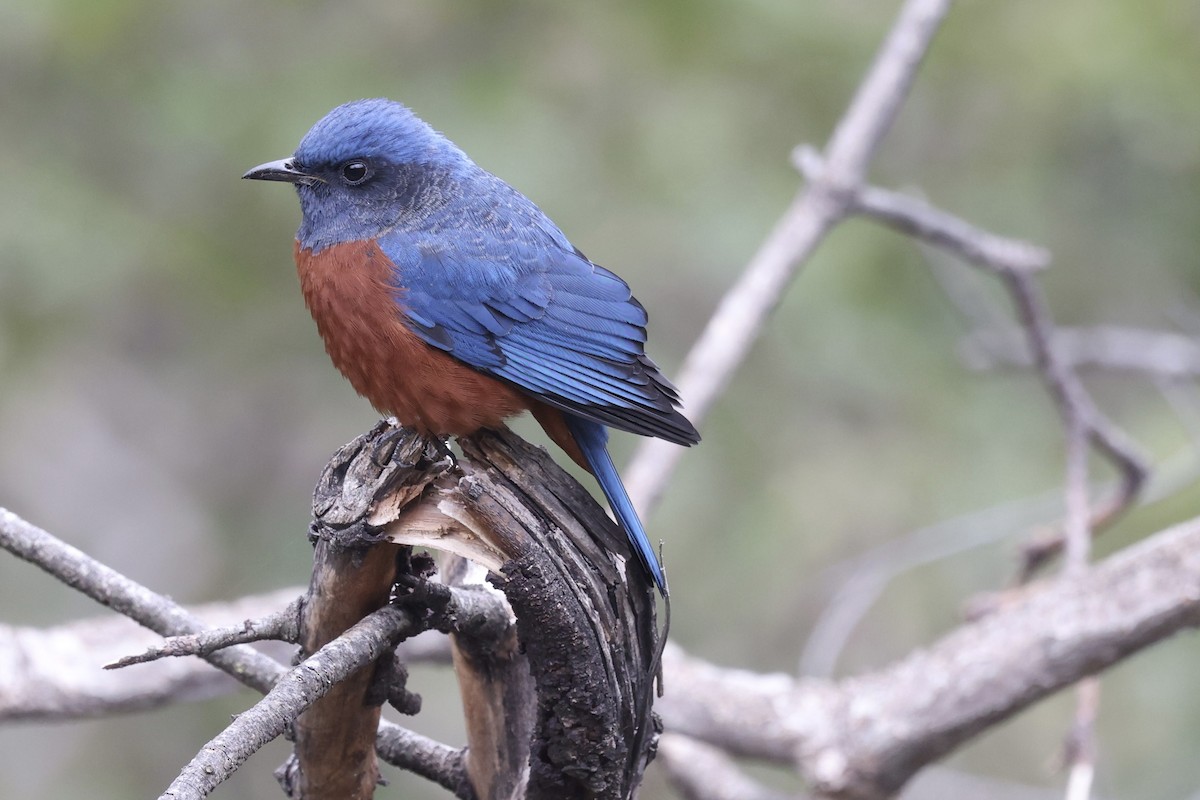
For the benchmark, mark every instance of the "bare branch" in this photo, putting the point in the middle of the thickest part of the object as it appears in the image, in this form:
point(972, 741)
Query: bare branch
point(282, 625)
point(56, 673)
point(883, 91)
point(167, 618)
point(1073, 399)
point(866, 736)
point(743, 311)
point(699, 771)
point(977, 675)
point(1106, 347)
point(1015, 263)
point(108, 587)
point(1081, 742)
point(920, 220)
point(1077, 536)
point(442, 764)
point(311, 680)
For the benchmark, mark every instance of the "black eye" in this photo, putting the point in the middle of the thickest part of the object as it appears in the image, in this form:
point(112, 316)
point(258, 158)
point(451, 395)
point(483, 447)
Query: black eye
point(355, 172)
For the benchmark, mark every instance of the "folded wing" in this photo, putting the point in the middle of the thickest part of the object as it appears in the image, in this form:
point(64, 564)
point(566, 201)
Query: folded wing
point(538, 314)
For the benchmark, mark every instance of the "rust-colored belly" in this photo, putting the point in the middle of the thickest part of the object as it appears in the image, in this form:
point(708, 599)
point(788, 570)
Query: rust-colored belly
point(346, 288)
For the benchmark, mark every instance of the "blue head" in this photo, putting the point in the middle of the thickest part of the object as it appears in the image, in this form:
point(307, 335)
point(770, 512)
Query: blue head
point(361, 168)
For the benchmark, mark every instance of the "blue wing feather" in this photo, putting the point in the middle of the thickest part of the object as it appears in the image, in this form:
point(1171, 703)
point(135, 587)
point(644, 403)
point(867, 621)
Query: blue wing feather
point(492, 282)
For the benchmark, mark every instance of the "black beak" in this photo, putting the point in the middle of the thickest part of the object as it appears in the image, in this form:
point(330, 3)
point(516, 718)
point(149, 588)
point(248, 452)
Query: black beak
point(284, 170)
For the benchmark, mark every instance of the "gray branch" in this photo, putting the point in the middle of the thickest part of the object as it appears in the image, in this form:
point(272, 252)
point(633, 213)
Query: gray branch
point(864, 737)
point(292, 693)
point(57, 673)
point(110, 588)
point(282, 625)
point(743, 312)
point(699, 771)
point(916, 218)
point(1105, 347)
point(162, 615)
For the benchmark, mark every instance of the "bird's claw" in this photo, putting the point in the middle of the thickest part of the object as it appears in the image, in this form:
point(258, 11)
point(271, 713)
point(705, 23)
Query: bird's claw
point(384, 447)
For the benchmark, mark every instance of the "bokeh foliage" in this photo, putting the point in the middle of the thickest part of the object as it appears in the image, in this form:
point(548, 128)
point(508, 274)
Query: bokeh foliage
point(166, 404)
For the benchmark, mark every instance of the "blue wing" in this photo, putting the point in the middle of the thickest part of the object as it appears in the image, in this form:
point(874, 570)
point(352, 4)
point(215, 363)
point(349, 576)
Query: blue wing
point(497, 285)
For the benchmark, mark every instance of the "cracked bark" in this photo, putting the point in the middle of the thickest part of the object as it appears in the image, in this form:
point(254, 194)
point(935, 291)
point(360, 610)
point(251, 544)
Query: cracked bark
point(556, 695)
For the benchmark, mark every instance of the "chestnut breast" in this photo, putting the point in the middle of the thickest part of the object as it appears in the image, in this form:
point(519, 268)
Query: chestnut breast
point(349, 290)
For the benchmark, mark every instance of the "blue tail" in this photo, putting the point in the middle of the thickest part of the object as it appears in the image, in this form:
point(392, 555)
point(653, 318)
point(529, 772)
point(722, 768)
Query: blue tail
point(592, 438)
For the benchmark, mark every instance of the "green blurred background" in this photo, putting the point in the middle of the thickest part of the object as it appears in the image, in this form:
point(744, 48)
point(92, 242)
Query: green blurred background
point(166, 404)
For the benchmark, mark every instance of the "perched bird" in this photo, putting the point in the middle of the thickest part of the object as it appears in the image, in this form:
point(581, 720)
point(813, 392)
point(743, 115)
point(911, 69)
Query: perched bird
point(451, 302)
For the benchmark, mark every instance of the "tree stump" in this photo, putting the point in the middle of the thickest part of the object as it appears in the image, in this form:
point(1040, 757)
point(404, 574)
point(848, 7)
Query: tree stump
point(557, 693)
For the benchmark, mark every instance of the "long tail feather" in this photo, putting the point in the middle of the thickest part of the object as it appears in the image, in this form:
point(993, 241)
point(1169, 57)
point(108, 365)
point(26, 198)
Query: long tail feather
point(593, 441)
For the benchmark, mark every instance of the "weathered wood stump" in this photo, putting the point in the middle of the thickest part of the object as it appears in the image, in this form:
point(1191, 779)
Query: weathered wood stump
point(556, 688)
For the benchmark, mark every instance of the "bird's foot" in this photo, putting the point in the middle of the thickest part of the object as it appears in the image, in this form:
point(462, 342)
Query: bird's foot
point(389, 431)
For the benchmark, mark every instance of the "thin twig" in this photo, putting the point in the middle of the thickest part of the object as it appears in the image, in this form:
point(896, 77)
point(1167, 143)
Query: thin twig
point(1015, 262)
point(1077, 524)
point(699, 771)
point(420, 755)
point(1072, 398)
point(1081, 742)
point(1162, 354)
point(297, 690)
point(57, 672)
point(167, 618)
point(743, 311)
point(282, 625)
point(110, 588)
point(1077, 535)
point(918, 219)
point(1058, 355)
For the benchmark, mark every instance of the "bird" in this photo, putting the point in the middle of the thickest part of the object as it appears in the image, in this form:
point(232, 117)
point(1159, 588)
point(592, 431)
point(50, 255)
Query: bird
point(451, 302)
